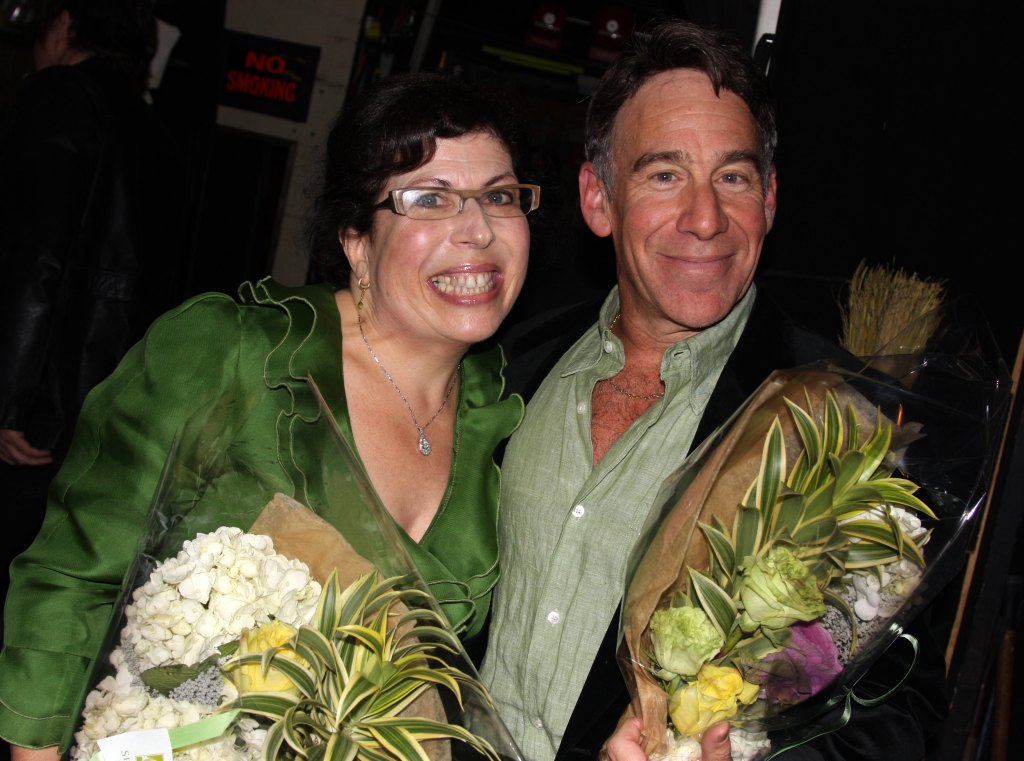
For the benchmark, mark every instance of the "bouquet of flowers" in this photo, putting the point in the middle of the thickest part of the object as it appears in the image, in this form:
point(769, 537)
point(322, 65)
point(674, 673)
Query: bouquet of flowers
point(284, 639)
point(796, 543)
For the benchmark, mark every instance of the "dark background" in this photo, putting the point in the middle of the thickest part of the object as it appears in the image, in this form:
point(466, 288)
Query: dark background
point(898, 146)
point(894, 137)
point(894, 118)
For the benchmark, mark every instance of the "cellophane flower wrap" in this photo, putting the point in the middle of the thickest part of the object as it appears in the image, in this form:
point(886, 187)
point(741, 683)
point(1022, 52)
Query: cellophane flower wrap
point(797, 542)
point(308, 633)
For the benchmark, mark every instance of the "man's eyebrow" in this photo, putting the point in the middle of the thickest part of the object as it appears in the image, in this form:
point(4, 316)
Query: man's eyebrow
point(661, 157)
point(740, 156)
point(680, 158)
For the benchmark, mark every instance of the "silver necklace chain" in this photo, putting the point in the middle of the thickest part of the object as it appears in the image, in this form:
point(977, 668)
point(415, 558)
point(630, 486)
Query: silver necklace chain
point(424, 443)
point(618, 389)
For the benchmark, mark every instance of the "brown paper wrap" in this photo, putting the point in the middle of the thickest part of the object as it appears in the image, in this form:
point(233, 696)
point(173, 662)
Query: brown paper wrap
point(301, 534)
point(717, 490)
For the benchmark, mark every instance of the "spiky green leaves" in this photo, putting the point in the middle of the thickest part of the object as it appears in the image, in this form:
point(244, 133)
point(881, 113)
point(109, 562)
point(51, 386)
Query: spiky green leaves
point(798, 530)
point(372, 649)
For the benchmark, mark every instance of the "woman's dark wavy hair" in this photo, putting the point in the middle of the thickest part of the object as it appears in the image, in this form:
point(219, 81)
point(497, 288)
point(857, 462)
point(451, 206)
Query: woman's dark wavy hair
point(392, 128)
point(666, 44)
point(121, 31)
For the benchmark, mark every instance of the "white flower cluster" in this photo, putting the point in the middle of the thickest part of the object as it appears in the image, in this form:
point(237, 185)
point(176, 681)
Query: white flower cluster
point(217, 585)
point(120, 703)
point(873, 596)
point(744, 746)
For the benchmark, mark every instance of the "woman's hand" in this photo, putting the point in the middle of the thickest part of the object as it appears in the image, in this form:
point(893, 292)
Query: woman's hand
point(625, 744)
point(49, 753)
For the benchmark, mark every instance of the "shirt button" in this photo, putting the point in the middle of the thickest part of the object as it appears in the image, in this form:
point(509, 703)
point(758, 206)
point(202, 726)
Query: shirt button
point(577, 512)
point(538, 723)
point(608, 347)
point(554, 617)
point(581, 408)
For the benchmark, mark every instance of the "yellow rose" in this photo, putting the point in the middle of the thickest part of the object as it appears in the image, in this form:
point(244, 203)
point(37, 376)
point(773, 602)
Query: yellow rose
point(249, 677)
point(715, 695)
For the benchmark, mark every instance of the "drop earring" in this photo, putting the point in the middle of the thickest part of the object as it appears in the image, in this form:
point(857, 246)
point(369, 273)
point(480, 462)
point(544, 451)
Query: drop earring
point(362, 290)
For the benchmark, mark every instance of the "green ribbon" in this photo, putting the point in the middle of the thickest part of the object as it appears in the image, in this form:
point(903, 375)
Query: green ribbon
point(849, 698)
point(201, 731)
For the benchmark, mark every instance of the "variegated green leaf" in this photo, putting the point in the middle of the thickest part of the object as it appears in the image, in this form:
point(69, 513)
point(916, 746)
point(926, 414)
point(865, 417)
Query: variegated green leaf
point(877, 447)
point(874, 531)
point(398, 742)
point(849, 474)
point(788, 515)
point(807, 461)
point(852, 427)
point(271, 705)
point(864, 555)
point(426, 729)
point(832, 437)
point(899, 491)
point(370, 638)
point(839, 602)
point(312, 645)
point(747, 533)
point(273, 741)
point(800, 475)
point(340, 748)
point(721, 550)
point(772, 473)
point(715, 601)
point(820, 501)
point(816, 532)
point(754, 648)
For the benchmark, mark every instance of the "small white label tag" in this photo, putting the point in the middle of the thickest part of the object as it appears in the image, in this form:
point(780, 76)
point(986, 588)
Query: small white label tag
point(143, 745)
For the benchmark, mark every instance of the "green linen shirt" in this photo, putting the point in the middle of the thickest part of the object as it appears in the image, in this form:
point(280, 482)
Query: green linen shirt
point(233, 375)
point(566, 528)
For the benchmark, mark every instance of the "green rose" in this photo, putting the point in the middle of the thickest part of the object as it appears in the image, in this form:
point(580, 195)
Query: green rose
point(779, 590)
point(684, 639)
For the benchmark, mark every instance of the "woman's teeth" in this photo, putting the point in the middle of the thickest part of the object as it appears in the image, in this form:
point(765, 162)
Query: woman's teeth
point(464, 284)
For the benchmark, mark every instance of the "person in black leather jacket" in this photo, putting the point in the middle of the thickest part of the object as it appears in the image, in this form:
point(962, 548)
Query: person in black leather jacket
point(89, 252)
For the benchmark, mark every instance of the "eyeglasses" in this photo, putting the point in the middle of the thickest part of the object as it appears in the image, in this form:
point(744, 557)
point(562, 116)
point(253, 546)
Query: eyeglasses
point(442, 203)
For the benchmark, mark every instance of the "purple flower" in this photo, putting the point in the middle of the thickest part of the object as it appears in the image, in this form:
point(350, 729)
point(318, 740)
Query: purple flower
point(803, 668)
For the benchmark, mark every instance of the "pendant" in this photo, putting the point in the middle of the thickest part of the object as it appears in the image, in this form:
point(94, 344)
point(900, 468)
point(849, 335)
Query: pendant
point(424, 444)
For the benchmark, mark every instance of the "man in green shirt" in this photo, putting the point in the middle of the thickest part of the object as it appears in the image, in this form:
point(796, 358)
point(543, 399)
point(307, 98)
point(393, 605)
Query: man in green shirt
point(680, 142)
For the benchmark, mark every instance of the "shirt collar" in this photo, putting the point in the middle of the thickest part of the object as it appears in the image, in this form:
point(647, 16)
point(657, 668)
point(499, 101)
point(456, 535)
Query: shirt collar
point(700, 357)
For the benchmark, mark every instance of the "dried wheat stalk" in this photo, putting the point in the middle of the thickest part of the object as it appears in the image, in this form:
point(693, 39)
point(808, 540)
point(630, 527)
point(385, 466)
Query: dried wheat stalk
point(889, 311)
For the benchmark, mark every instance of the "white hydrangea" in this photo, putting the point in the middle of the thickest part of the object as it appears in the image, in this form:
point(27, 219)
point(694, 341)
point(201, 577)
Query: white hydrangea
point(120, 703)
point(745, 745)
point(217, 585)
point(873, 597)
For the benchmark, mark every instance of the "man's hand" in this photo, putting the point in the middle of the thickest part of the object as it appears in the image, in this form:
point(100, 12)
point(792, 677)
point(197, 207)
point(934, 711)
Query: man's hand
point(714, 743)
point(625, 744)
point(15, 450)
point(49, 753)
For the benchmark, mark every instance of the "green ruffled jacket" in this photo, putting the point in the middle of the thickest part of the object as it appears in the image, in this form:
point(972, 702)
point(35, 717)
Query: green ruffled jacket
point(228, 378)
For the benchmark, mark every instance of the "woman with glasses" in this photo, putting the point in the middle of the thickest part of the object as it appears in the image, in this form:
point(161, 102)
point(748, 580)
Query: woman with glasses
point(420, 231)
